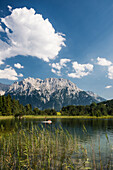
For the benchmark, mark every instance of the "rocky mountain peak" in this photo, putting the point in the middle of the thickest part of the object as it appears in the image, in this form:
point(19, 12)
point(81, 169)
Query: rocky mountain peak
point(50, 93)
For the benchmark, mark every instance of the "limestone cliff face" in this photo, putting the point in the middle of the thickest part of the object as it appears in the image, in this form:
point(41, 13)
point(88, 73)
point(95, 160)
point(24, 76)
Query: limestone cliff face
point(50, 93)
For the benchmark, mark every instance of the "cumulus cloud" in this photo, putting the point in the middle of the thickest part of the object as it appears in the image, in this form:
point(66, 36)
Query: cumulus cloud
point(29, 33)
point(9, 73)
point(18, 65)
point(109, 64)
point(56, 66)
point(103, 62)
point(81, 70)
point(10, 8)
point(7, 65)
point(1, 62)
point(59, 66)
point(20, 75)
point(108, 87)
point(63, 61)
point(110, 72)
point(78, 75)
point(56, 72)
point(53, 71)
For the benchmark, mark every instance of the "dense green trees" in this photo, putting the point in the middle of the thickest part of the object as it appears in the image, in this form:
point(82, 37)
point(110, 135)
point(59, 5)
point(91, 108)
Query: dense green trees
point(9, 106)
point(100, 109)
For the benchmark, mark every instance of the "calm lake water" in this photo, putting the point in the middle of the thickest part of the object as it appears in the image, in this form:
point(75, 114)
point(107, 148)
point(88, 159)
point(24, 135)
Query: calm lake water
point(89, 132)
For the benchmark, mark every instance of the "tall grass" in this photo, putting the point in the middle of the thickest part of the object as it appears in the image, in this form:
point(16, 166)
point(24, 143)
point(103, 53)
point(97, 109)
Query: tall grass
point(43, 148)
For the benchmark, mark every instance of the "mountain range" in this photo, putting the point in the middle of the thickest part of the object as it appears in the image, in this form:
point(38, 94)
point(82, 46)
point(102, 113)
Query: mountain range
point(50, 93)
point(3, 88)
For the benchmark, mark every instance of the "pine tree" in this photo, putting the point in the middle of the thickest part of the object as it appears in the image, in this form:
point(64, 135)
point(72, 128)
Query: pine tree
point(8, 105)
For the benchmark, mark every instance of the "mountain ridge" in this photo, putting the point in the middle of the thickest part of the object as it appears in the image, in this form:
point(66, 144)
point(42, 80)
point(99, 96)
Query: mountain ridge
point(50, 93)
point(3, 88)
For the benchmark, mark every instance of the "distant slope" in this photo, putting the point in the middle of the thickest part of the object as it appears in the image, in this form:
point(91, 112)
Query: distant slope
point(50, 93)
point(108, 103)
point(95, 96)
point(3, 88)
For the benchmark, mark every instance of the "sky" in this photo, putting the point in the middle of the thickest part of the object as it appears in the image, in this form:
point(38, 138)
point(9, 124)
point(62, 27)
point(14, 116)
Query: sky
point(71, 39)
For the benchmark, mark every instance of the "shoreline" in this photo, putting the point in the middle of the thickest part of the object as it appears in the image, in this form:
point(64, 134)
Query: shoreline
point(6, 117)
point(66, 117)
point(56, 117)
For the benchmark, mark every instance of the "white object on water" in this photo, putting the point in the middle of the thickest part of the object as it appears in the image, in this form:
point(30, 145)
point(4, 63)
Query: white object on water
point(47, 121)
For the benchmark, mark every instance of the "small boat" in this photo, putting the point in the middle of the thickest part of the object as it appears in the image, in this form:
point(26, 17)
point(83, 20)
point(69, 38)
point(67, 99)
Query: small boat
point(47, 121)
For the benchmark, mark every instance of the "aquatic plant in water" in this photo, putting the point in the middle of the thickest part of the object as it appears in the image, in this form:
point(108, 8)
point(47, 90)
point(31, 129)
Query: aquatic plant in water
point(43, 148)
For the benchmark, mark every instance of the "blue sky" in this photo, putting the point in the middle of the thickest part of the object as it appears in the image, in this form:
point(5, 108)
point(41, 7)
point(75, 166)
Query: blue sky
point(72, 39)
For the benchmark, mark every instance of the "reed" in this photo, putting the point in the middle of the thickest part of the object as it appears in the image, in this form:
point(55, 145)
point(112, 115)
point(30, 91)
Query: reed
point(44, 148)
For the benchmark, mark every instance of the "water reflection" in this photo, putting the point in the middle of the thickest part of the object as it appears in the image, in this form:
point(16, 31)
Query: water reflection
point(94, 127)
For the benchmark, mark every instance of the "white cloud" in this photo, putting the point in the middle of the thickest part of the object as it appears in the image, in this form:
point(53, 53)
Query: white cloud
point(56, 66)
point(108, 87)
point(18, 65)
point(7, 65)
point(81, 70)
point(53, 71)
point(78, 75)
point(82, 67)
point(20, 75)
point(56, 72)
point(31, 35)
point(92, 59)
point(9, 73)
point(103, 62)
point(1, 62)
point(64, 61)
point(61, 64)
point(10, 8)
point(110, 72)
point(1, 29)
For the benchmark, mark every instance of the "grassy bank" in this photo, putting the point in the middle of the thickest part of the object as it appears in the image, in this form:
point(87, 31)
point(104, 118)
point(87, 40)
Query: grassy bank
point(74, 117)
point(6, 117)
point(54, 117)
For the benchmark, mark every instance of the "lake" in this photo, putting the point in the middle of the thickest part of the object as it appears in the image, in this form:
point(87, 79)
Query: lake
point(96, 135)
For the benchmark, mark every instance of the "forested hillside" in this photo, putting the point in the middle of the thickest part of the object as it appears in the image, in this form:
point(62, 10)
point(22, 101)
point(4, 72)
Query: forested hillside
point(100, 109)
point(9, 106)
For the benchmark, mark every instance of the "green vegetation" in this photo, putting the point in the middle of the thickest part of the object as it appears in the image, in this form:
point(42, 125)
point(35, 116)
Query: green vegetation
point(10, 107)
point(65, 117)
point(58, 114)
point(6, 117)
point(98, 110)
point(40, 148)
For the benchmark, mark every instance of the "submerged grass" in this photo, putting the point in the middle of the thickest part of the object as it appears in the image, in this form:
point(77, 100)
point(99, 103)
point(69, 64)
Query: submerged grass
point(44, 148)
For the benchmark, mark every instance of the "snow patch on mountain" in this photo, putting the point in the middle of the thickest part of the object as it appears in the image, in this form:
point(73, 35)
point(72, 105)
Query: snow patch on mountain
point(45, 87)
point(95, 96)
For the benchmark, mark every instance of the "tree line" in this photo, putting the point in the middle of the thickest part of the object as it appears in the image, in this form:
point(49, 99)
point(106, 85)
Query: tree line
point(9, 106)
point(95, 109)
